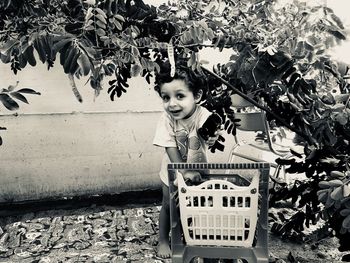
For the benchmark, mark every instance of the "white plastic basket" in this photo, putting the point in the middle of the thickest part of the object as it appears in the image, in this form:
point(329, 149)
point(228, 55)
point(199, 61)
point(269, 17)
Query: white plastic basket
point(218, 212)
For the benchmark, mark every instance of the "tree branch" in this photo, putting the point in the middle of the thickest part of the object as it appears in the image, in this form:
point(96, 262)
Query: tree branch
point(244, 96)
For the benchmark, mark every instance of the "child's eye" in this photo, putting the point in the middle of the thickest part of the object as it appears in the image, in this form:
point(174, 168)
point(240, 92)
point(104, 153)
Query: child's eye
point(180, 96)
point(165, 98)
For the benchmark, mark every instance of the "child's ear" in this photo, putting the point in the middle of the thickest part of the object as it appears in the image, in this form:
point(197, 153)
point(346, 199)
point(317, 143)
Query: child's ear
point(198, 96)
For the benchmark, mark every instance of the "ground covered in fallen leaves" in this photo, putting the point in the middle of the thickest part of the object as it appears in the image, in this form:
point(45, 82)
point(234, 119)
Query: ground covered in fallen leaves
point(113, 231)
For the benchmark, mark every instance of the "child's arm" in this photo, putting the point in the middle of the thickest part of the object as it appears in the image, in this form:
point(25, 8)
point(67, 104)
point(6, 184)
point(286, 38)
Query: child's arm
point(175, 157)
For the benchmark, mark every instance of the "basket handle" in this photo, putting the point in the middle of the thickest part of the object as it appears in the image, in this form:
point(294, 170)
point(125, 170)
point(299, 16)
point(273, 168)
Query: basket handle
point(181, 183)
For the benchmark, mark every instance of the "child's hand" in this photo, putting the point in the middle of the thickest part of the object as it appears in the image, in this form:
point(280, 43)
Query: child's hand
point(211, 140)
point(193, 176)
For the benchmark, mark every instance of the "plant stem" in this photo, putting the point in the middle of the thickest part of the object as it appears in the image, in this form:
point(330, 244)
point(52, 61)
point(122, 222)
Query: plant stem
point(74, 88)
point(277, 117)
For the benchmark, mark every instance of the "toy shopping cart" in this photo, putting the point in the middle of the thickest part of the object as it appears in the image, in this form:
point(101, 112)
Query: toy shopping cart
point(223, 217)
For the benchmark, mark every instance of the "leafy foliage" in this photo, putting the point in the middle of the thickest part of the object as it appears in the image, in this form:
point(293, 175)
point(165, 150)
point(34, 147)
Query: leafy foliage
point(281, 60)
point(9, 98)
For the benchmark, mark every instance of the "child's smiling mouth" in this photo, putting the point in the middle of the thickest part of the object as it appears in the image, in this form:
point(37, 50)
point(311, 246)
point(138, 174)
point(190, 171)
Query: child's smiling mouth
point(175, 112)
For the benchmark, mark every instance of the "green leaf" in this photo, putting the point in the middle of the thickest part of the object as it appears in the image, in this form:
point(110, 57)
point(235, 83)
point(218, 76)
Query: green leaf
point(84, 63)
point(337, 193)
point(125, 57)
point(74, 64)
point(346, 202)
point(337, 33)
point(19, 96)
point(337, 20)
point(135, 51)
point(342, 118)
point(312, 40)
point(69, 59)
point(332, 161)
point(324, 184)
point(23, 45)
point(329, 42)
point(60, 44)
point(192, 60)
point(101, 12)
point(118, 25)
point(335, 183)
point(135, 31)
point(90, 22)
point(322, 195)
point(135, 70)
point(30, 56)
point(90, 28)
point(5, 58)
point(120, 18)
point(100, 32)
point(89, 13)
point(308, 46)
point(6, 47)
point(210, 33)
point(143, 63)
point(101, 25)
point(193, 33)
point(329, 202)
point(338, 107)
point(320, 51)
point(341, 97)
point(346, 222)
point(101, 18)
point(337, 174)
point(8, 102)
point(346, 190)
point(203, 24)
point(156, 67)
point(38, 44)
point(29, 91)
point(345, 212)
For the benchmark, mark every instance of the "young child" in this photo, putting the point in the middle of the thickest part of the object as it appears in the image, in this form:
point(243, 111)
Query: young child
point(177, 133)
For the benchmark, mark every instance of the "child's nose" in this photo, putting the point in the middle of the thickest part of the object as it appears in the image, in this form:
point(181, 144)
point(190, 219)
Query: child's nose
point(172, 102)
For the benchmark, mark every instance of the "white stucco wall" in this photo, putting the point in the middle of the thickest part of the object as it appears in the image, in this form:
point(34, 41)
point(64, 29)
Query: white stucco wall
point(51, 155)
point(57, 146)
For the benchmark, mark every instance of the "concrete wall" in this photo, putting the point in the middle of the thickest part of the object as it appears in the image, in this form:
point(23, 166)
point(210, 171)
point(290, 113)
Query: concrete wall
point(54, 155)
point(59, 147)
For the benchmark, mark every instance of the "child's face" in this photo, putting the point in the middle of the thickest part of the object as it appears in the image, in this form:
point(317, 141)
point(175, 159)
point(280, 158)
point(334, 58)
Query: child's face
point(178, 100)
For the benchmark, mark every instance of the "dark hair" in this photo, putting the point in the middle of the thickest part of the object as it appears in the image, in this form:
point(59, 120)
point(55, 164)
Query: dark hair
point(195, 81)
